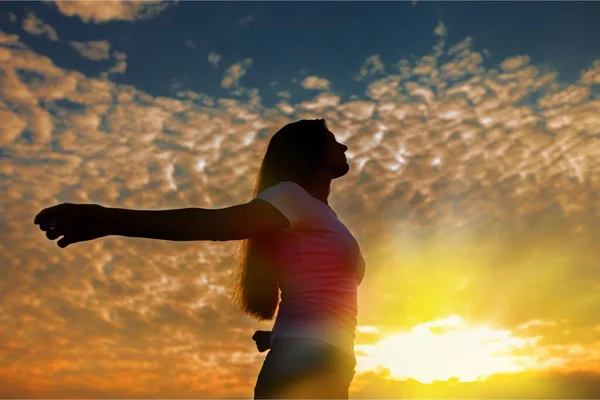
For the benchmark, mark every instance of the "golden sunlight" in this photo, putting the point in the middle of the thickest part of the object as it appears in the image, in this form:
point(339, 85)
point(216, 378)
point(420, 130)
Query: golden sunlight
point(444, 349)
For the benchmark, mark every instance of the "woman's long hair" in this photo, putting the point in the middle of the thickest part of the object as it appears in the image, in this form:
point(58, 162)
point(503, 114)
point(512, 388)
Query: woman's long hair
point(293, 154)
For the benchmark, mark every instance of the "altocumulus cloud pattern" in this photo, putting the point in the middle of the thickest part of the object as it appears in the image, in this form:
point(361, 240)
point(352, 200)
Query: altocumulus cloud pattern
point(474, 190)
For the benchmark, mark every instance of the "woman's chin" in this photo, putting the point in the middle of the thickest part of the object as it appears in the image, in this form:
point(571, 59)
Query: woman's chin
point(342, 170)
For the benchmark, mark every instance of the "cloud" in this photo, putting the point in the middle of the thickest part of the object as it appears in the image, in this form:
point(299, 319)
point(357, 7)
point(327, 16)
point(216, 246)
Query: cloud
point(234, 73)
point(550, 385)
point(214, 58)
point(475, 194)
point(94, 50)
point(117, 10)
point(194, 96)
point(286, 94)
point(10, 40)
point(592, 75)
point(514, 63)
point(245, 21)
point(121, 64)
point(12, 127)
point(191, 44)
point(314, 82)
point(98, 50)
point(440, 29)
point(36, 26)
point(372, 66)
point(321, 103)
point(357, 110)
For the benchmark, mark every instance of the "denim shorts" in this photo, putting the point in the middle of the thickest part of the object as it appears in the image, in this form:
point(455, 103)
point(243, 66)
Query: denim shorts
point(306, 369)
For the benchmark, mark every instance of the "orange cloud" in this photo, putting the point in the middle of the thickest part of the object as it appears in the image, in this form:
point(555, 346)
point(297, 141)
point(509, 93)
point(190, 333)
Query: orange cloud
point(234, 72)
point(36, 26)
point(94, 50)
point(93, 11)
point(314, 82)
point(372, 66)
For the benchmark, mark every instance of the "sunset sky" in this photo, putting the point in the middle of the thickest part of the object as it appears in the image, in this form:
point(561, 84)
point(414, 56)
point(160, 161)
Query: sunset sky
point(474, 190)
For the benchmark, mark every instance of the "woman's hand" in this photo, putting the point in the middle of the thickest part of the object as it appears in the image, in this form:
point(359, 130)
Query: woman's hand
point(75, 222)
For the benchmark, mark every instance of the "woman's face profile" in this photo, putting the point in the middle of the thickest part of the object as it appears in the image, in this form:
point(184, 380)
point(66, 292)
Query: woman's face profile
point(334, 158)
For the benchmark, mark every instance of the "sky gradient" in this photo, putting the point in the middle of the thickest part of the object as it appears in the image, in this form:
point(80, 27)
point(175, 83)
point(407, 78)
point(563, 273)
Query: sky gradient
point(474, 190)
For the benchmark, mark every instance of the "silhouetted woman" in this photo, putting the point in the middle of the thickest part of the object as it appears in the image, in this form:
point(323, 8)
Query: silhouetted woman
point(292, 241)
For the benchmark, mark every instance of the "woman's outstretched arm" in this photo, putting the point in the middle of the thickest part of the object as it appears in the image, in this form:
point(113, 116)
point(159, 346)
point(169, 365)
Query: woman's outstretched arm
point(83, 222)
point(186, 224)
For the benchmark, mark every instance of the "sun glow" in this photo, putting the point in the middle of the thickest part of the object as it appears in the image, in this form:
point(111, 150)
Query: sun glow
point(445, 349)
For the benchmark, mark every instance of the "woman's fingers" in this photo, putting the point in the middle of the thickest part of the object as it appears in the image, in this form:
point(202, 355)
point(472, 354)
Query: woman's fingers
point(53, 233)
point(64, 242)
point(47, 225)
point(47, 214)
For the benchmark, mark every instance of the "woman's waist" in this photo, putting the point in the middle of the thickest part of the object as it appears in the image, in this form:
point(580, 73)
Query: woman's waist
point(305, 344)
point(340, 338)
point(317, 322)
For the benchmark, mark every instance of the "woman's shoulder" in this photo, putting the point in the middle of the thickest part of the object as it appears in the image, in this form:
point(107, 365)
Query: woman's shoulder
point(287, 191)
point(291, 187)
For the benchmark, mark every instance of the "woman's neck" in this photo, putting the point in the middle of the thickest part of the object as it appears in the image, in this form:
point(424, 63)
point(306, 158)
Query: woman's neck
point(319, 189)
